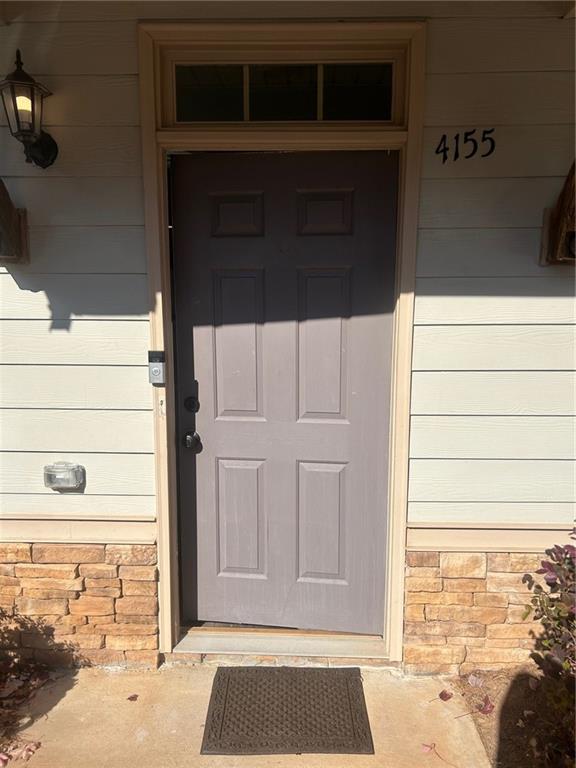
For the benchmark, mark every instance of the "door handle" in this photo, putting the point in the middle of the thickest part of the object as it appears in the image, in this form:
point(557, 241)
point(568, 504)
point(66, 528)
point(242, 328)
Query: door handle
point(192, 441)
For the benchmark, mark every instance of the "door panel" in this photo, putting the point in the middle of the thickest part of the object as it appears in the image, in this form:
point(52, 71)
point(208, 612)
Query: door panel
point(284, 293)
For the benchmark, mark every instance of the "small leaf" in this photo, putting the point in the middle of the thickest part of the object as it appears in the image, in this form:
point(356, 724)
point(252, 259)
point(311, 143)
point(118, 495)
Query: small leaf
point(133, 697)
point(486, 707)
point(527, 612)
point(427, 748)
point(475, 681)
point(445, 695)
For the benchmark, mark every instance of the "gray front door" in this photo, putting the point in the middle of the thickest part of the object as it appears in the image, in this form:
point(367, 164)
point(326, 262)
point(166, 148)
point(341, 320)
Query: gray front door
point(284, 295)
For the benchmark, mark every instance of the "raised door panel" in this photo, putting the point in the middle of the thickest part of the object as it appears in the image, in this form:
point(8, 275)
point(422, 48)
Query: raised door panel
point(324, 308)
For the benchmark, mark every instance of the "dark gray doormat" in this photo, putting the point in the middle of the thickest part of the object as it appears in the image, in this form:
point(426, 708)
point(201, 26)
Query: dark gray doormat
point(286, 710)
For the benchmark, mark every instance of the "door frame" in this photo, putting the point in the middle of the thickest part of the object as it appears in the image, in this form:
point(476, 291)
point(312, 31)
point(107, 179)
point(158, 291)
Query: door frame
point(221, 42)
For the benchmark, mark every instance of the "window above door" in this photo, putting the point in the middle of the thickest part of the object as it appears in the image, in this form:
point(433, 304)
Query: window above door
point(264, 74)
point(334, 92)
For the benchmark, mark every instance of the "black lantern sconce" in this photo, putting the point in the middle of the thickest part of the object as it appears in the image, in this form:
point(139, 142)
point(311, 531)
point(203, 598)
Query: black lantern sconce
point(23, 97)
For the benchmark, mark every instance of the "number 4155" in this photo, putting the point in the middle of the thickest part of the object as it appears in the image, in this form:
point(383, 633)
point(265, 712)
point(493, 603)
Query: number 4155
point(462, 143)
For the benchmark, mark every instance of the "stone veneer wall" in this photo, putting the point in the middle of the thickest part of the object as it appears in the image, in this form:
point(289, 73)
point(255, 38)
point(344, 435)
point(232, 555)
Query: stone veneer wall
point(464, 611)
point(80, 603)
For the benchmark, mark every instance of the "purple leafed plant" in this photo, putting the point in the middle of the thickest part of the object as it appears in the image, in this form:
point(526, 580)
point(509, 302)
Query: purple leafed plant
point(553, 604)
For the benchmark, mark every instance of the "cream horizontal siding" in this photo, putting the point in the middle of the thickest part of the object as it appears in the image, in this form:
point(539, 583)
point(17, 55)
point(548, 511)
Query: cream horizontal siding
point(82, 342)
point(492, 337)
point(111, 387)
point(74, 329)
point(494, 393)
point(494, 347)
point(493, 389)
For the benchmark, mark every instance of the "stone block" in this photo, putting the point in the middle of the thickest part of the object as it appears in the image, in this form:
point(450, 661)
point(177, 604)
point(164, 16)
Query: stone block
point(9, 581)
point(106, 592)
point(414, 613)
point(7, 570)
point(138, 572)
point(92, 606)
point(132, 642)
point(416, 584)
point(141, 618)
point(147, 659)
point(131, 554)
point(445, 628)
point(30, 606)
point(48, 594)
point(422, 573)
point(15, 553)
point(56, 657)
point(99, 571)
point(101, 583)
point(136, 605)
point(112, 628)
point(130, 588)
point(498, 561)
point(13, 591)
point(66, 585)
point(465, 585)
point(103, 657)
point(425, 640)
point(423, 559)
point(433, 654)
point(517, 614)
point(506, 582)
point(469, 642)
point(68, 553)
point(86, 641)
point(469, 565)
point(49, 571)
point(524, 562)
point(439, 598)
point(493, 655)
point(465, 614)
point(522, 631)
point(491, 599)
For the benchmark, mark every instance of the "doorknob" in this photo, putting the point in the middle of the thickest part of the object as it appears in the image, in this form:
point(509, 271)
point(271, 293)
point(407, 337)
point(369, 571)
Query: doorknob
point(192, 441)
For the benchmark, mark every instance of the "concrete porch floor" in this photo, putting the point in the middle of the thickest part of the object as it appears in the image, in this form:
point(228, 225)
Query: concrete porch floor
point(85, 719)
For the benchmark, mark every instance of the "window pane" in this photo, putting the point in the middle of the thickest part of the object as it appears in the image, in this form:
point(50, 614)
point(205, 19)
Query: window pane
point(283, 92)
point(357, 92)
point(205, 93)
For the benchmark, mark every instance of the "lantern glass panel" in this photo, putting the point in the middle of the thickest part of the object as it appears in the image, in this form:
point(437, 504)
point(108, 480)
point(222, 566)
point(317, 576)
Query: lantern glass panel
point(24, 96)
point(37, 112)
point(10, 108)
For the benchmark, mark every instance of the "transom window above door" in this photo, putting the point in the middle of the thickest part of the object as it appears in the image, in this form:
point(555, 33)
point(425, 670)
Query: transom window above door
point(299, 92)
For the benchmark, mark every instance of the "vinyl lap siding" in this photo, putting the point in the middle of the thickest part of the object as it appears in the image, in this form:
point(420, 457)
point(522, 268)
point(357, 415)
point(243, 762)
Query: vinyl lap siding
point(74, 329)
point(492, 429)
point(493, 341)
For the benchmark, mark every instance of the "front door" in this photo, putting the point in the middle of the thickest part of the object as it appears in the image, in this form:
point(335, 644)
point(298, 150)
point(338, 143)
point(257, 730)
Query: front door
point(284, 296)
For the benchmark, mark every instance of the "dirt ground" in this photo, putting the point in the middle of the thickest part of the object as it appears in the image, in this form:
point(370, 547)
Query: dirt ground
point(521, 721)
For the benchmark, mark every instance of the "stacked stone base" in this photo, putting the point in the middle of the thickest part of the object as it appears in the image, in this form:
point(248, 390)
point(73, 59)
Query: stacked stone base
point(76, 604)
point(465, 611)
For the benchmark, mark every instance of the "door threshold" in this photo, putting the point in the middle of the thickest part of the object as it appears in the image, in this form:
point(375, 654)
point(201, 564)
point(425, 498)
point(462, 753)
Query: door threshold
point(325, 647)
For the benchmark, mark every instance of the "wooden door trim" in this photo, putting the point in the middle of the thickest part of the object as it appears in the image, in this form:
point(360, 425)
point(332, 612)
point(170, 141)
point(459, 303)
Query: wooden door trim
point(157, 143)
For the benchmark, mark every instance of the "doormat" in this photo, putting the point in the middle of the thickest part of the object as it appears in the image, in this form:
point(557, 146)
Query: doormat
point(287, 710)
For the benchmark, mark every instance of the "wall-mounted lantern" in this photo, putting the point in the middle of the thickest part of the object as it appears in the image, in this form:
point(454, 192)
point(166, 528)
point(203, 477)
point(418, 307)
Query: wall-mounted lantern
point(23, 97)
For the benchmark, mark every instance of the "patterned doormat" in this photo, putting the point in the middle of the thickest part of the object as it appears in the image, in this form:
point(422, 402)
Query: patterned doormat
point(286, 710)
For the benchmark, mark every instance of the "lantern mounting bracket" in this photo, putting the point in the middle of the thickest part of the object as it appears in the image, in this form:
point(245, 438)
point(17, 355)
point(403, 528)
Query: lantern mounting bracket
point(41, 152)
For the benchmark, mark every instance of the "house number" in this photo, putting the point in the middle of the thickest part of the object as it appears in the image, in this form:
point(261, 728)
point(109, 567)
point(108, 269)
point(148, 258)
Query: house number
point(466, 145)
